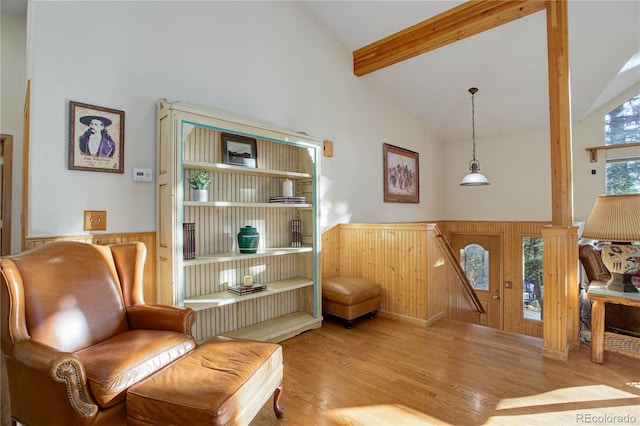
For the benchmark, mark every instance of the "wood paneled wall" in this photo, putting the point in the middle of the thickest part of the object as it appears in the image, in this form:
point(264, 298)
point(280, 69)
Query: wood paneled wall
point(406, 259)
point(148, 238)
point(417, 280)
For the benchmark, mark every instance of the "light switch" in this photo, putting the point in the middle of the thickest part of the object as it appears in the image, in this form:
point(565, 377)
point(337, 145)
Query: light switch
point(95, 220)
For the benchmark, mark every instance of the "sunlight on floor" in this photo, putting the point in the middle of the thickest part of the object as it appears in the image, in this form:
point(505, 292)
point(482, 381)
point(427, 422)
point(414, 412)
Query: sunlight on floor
point(383, 415)
point(566, 395)
point(598, 404)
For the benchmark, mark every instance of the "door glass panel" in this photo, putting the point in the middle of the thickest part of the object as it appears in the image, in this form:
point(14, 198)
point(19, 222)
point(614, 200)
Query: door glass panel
point(532, 287)
point(474, 259)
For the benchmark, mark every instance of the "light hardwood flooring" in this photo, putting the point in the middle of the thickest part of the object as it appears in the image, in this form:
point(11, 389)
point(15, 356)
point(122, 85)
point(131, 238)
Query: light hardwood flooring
point(390, 372)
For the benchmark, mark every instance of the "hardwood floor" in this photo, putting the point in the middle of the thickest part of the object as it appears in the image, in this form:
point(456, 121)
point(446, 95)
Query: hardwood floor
point(390, 372)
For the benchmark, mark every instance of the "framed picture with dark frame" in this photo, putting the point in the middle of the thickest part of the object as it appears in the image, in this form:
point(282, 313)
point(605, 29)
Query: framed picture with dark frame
point(239, 150)
point(401, 175)
point(96, 138)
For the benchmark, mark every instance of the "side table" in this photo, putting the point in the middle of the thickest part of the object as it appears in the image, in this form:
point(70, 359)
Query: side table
point(600, 295)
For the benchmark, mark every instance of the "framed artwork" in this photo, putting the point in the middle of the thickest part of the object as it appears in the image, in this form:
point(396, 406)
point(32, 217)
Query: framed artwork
point(239, 150)
point(96, 138)
point(401, 175)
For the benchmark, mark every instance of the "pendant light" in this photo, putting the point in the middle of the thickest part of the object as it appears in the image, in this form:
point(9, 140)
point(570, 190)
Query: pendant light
point(474, 178)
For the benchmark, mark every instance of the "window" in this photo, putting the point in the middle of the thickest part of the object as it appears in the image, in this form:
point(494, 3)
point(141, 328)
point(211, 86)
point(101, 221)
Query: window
point(532, 286)
point(474, 259)
point(622, 126)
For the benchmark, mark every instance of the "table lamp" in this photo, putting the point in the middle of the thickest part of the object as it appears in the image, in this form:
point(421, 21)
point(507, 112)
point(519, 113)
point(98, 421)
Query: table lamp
point(616, 219)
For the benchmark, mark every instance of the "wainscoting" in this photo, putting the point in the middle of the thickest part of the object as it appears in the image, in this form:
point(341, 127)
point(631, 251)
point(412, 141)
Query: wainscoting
point(406, 259)
point(417, 280)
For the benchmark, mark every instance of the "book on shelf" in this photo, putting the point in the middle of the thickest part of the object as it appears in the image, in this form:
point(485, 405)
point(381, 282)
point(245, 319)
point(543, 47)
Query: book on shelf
point(296, 233)
point(287, 200)
point(189, 241)
point(242, 290)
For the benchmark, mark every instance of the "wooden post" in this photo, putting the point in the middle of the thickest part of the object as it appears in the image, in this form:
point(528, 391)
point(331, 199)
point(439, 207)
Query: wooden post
point(561, 295)
point(560, 243)
point(597, 331)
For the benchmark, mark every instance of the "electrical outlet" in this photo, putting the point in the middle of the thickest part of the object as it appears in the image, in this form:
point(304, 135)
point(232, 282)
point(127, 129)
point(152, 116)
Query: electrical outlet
point(95, 220)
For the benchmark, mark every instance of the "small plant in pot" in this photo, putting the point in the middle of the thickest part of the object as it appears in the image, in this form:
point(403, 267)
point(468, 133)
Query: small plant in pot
point(200, 181)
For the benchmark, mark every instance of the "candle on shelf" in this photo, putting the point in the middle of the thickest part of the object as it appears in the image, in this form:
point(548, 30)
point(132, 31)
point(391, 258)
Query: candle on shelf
point(287, 188)
point(248, 280)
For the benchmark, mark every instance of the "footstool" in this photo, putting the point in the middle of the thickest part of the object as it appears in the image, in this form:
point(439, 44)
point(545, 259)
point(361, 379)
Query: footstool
point(223, 381)
point(350, 297)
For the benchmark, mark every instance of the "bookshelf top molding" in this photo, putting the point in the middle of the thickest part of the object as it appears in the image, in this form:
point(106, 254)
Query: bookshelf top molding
point(236, 122)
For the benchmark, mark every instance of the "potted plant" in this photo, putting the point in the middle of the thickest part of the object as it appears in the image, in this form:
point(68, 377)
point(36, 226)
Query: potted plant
point(200, 181)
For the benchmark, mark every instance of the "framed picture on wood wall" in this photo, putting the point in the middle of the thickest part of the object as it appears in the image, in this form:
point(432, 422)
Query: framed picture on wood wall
point(96, 138)
point(239, 150)
point(401, 175)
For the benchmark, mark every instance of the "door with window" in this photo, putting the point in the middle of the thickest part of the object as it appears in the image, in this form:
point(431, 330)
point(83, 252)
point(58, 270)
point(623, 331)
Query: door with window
point(479, 256)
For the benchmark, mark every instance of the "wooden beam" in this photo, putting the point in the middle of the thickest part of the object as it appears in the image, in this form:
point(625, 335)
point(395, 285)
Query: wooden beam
point(559, 114)
point(466, 20)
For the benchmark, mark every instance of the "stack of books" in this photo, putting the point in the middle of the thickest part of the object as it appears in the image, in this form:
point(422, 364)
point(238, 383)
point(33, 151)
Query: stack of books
point(287, 200)
point(242, 290)
point(296, 233)
point(189, 241)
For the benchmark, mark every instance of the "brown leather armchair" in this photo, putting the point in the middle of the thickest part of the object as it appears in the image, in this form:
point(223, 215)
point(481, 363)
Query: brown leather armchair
point(76, 332)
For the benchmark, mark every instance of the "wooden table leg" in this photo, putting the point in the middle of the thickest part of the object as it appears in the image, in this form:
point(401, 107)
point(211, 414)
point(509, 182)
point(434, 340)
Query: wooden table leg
point(597, 331)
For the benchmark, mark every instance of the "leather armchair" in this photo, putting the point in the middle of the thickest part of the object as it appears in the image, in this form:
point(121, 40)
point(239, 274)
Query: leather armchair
point(76, 332)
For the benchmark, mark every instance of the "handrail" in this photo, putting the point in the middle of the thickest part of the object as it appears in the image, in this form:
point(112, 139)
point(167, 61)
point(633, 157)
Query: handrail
point(462, 277)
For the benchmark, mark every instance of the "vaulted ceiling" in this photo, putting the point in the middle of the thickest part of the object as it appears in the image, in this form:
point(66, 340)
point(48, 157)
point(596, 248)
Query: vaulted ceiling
point(508, 64)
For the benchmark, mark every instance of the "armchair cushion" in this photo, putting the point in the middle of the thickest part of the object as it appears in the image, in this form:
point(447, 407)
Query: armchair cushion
point(115, 364)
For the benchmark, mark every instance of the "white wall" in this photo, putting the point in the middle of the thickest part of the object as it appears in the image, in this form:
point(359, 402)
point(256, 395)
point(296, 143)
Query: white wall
point(269, 60)
point(273, 61)
point(587, 133)
point(12, 93)
point(518, 168)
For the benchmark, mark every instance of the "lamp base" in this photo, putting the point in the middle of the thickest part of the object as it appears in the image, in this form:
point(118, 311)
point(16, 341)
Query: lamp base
point(623, 261)
point(621, 282)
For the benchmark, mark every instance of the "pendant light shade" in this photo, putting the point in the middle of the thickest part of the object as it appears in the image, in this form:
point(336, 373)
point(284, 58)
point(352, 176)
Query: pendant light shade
point(475, 178)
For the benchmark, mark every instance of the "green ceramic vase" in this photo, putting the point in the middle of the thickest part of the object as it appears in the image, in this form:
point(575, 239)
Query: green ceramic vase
point(248, 239)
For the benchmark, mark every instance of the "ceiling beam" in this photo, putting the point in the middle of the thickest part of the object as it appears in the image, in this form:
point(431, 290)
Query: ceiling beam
point(465, 20)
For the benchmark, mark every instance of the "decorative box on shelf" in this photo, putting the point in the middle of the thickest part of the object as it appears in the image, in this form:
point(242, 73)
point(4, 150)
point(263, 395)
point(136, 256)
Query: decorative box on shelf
point(243, 290)
point(287, 200)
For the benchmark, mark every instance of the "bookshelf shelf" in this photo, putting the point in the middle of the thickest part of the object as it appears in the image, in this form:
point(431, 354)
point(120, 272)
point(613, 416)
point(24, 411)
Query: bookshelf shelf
point(228, 168)
point(241, 204)
point(234, 256)
point(213, 300)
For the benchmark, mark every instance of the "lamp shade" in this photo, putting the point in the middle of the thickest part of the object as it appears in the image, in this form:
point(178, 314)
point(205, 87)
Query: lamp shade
point(473, 179)
point(614, 218)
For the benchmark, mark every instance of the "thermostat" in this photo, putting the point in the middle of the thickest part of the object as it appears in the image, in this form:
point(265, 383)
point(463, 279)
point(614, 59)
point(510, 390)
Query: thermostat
point(142, 175)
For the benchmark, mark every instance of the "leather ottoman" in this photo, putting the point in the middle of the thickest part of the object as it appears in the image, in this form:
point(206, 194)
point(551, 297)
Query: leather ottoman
point(223, 381)
point(350, 297)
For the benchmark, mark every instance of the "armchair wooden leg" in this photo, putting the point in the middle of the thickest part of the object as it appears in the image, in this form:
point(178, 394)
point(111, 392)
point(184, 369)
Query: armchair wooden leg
point(276, 402)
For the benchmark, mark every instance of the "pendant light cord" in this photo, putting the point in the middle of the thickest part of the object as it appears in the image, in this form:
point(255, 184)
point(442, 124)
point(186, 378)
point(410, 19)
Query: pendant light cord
point(473, 91)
